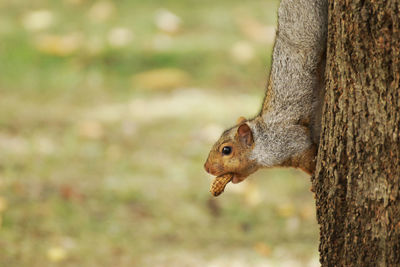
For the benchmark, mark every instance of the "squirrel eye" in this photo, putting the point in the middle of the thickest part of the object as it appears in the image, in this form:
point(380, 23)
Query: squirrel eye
point(226, 150)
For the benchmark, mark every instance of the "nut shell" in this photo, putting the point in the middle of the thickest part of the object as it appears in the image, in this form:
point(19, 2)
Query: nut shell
point(219, 183)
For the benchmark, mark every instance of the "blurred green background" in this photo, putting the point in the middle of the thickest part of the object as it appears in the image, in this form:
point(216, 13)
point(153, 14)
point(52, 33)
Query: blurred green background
point(108, 110)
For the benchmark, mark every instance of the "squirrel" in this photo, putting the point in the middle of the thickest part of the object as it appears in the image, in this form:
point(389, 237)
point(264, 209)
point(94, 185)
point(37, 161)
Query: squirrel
point(286, 131)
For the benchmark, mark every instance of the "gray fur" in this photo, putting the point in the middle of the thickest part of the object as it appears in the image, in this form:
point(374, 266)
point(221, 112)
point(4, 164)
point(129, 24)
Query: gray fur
point(297, 80)
point(274, 143)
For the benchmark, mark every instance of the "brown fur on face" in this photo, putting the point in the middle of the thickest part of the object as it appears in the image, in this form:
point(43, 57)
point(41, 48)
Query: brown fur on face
point(240, 139)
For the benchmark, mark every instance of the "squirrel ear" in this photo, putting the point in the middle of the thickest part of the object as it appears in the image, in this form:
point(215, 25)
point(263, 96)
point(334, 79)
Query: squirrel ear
point(245, 134)
point(240, 120)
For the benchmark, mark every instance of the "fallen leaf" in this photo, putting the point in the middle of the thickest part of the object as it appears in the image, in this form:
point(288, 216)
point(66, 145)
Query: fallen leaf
point(38, 20)
point(68, 192)
point(56, 254)
point(262, 249)
point(101, 11)
point(242, 52)
point(119, 37)
point(161, 79)
point(167, 21)
point(286, 210)
point(91, 129)
point(59, 45)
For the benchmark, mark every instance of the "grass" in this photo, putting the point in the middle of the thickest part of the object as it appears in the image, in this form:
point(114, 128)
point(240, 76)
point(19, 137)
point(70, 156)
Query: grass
point(97, 169)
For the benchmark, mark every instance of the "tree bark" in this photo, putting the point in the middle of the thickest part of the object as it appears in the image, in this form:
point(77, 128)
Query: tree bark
point(358, 166)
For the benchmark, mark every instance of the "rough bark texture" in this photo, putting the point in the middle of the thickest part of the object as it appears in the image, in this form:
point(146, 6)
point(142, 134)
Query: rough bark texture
point(358, 166)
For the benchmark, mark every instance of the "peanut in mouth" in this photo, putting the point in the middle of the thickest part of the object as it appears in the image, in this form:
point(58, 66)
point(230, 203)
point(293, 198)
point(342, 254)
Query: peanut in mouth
point(219, 183)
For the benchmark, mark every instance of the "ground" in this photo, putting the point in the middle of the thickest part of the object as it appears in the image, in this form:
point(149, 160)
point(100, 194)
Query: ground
point(108, 110)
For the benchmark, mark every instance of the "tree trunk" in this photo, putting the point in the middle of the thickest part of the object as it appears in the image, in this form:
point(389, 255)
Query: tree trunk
point(358, 167)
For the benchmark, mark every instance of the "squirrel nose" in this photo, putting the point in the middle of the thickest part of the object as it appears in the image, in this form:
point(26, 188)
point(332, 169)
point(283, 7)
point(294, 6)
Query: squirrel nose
point(206, 167)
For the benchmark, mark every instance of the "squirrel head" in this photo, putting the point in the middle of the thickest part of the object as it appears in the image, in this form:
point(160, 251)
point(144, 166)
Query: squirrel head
point(232, 153)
